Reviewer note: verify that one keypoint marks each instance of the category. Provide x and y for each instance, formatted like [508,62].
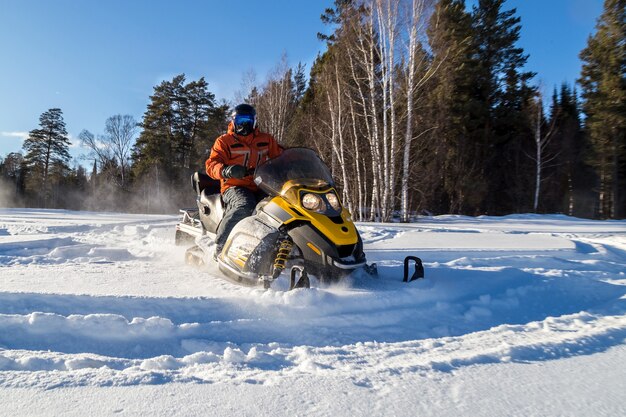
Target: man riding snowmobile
[299,226]
[233,158]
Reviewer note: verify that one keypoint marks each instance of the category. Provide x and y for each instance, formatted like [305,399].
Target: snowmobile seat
[209,200]
[201,181]
[211,208]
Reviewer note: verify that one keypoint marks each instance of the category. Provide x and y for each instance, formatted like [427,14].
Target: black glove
[234,171]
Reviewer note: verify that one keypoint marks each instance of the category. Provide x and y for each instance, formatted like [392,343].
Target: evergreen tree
[177,117]
[179,127]
[460,184]
[74,188]
[45,148]
[12,170]
[502,90]
[603,83]
[60,186]
[299,83]
[478,109]
[569,179]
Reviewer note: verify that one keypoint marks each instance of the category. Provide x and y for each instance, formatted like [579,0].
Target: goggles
[242,119]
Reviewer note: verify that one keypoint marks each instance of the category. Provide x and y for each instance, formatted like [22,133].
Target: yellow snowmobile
[301,225]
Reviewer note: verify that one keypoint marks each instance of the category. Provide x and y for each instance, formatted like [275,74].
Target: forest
[420,107]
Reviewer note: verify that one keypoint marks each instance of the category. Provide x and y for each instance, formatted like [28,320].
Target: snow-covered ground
[518,315]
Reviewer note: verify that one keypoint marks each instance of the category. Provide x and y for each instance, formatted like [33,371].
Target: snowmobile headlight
[334,201]
[313,202]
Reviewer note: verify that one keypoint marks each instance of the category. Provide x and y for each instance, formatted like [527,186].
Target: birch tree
[416,59]
[542,138]
[276,100]
[112,149]
[120,134]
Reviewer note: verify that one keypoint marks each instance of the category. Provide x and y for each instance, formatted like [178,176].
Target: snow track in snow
[105,299]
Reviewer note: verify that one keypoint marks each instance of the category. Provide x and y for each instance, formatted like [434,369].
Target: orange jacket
[249,151]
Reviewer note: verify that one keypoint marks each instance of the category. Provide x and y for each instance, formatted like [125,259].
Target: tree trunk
[377,172]
[384,69]
[615,177]
[570,192]
[537,158]
[370,132]
[408,137]
[601,194]
[358,213]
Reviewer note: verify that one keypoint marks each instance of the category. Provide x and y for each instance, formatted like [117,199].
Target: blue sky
[96,58]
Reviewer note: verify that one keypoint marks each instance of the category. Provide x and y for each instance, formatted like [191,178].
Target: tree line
[418,106]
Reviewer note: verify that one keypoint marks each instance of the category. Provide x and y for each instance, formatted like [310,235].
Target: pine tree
[177,117]
[603,83]
[46,147]
[60,185]
[299,82]
[502,90]
[74,186]
[569,179]
[179,127]
[12,170]
[453,106]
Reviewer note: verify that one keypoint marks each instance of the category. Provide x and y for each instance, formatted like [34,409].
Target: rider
[232,161]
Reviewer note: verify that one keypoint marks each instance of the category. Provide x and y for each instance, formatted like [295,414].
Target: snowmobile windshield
[295,167]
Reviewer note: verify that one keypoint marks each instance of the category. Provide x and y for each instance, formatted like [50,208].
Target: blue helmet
[244,119]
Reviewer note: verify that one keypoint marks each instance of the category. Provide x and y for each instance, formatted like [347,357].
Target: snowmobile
[301,225]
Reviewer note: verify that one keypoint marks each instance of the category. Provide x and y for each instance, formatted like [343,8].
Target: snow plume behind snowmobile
[301,226]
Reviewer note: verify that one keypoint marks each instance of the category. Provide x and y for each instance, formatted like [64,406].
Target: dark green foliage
[299,82]
[603,89]
[502,90]
[12,176]
[333,16]
[569,179]
[177,116]
[477,102]
[179,127]
[454,111]
[74,186]
[47,155]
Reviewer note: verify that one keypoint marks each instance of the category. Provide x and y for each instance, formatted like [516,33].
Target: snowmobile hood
[338,229]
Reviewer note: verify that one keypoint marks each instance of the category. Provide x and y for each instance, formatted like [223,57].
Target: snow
[518,315]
